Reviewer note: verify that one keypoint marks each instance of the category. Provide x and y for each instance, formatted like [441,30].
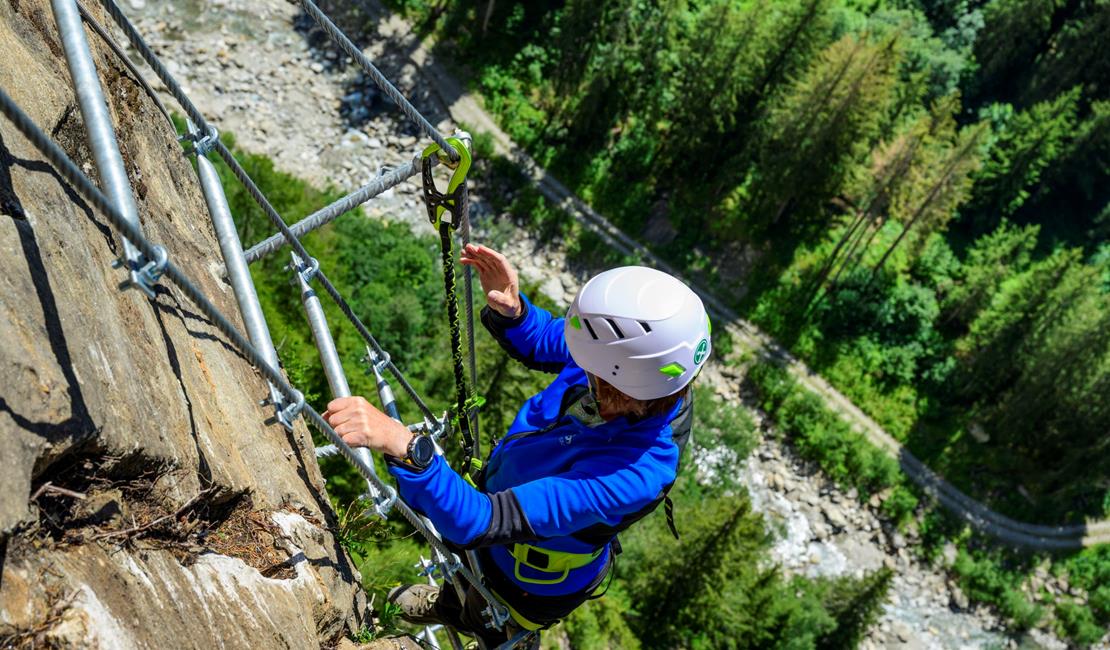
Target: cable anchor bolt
[437,429]
[497,614]
[306,271]
[145,273]
[207,143]
[450,566]
[290,412]
[382,504]
[378,361]
[202,144]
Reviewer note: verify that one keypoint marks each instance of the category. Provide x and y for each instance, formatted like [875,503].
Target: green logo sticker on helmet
[575,323]
[701,351]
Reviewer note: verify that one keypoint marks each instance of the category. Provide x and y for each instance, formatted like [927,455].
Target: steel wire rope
[69,171]
[329,213]
[376,75]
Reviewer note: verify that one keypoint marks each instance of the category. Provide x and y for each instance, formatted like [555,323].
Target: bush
[984,579]
[824,437]
[900,505]
[1078,623]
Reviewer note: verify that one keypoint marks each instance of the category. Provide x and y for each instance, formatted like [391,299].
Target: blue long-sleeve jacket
[552,481]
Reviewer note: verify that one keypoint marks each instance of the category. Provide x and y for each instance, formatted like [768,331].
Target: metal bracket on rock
[146,273]
[286,415]
[383,504]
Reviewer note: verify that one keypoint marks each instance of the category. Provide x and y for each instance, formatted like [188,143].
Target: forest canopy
[913,195]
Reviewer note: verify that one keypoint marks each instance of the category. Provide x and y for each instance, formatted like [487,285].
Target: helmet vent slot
[647,328]
[589,328]
[616,328]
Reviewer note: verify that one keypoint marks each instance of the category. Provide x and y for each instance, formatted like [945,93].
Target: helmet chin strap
[594,389]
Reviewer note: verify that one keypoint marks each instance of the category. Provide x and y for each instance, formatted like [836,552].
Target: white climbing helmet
[639,329]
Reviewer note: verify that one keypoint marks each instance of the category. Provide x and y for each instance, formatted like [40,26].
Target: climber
[584,459]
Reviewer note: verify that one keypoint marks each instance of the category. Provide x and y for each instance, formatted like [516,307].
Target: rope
[68,170]
[453,202]
[370,69]
[468,301]
[462,407]
[329,213]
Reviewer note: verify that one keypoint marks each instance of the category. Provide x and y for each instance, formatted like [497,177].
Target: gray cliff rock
[144,503]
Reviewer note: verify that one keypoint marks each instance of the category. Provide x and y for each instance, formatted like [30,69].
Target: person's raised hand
[362,425]
[498,277]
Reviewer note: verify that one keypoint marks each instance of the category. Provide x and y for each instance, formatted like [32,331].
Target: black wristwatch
[421,452]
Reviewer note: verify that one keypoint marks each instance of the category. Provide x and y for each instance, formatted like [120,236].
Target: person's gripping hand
[498,277]
[362,425]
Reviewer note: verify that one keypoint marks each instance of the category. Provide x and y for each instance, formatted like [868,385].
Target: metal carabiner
[453,199]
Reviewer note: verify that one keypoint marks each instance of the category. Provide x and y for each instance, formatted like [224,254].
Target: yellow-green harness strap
[548,561]
[527,623]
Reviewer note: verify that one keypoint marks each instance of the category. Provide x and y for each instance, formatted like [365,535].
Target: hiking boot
[417,603]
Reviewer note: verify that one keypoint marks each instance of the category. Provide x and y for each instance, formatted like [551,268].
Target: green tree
[1038,364]
[880,191]
[1073,197]
[944,183]
[855,606]
[817,132]
[711,591]
[1015,35]
[1022,149]
[990,261]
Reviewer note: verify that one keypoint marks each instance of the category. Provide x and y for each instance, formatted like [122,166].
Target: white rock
[949,554]
[902,631]
[835,516]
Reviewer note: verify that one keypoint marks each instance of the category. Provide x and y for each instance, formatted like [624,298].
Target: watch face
[423,451]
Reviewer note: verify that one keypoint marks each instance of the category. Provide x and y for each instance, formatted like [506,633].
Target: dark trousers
[468,617]
[543,610]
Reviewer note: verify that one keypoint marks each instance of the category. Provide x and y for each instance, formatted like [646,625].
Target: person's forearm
[460,512]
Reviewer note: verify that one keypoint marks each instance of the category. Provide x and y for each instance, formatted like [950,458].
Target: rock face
[144,503]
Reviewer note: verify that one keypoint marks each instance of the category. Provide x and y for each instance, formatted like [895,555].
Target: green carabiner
[440,202]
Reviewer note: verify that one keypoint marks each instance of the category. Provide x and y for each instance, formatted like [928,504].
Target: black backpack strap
[668,508]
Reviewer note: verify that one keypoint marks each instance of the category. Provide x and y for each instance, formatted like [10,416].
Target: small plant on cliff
[358,533]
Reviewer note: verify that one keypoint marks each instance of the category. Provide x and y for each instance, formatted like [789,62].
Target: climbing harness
[446,211]
[557,563]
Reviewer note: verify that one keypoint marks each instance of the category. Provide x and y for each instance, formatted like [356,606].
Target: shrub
[900,505]
[1078,623]
[824,437]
